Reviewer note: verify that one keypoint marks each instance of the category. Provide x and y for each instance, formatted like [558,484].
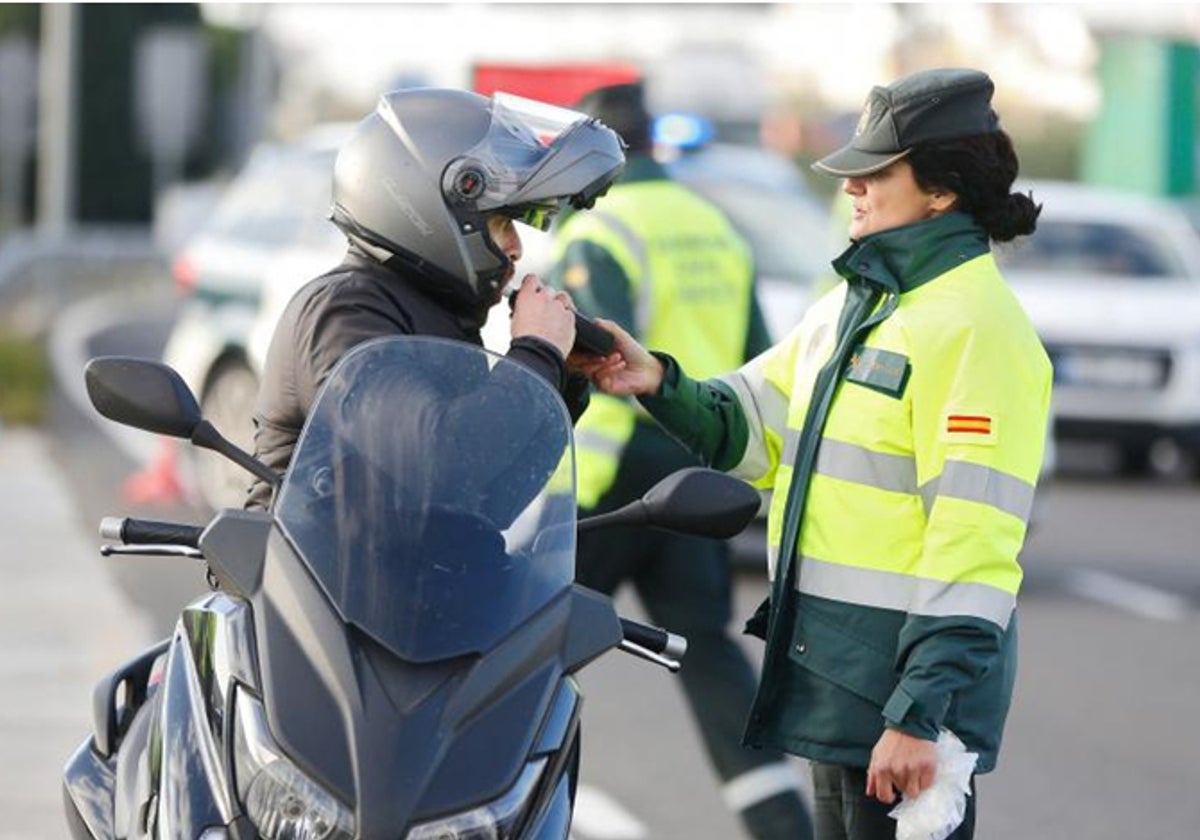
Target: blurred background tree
[114,177]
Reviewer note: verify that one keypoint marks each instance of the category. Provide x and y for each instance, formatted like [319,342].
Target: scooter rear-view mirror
[696,500]
[151,396]
[143,394]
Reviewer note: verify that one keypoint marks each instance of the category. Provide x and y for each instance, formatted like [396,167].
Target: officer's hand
[545,313]
[900,762]
[628,370]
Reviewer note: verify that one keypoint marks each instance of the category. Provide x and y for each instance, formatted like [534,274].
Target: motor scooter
[386,654]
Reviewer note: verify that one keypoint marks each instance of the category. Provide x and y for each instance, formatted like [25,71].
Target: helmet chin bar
[464,181]
[486,261]
[474,296]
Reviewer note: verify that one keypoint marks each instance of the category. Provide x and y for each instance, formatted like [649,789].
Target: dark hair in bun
[980,170]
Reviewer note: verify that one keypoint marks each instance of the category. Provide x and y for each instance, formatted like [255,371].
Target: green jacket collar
[905,257]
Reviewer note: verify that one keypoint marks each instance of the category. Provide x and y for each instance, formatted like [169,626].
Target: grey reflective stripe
[760,784]
[928,493]
[848,462]
[645,293]
[985,485]
[772,561]
[764,407]
[905,593]
[791,442]
[772,405]
[599,443]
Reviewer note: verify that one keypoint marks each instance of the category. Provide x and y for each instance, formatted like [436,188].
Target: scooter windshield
[432,495]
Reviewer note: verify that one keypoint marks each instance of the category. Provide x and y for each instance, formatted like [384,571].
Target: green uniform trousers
[843,811]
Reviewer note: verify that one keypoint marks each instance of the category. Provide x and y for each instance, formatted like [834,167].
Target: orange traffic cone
[158,482]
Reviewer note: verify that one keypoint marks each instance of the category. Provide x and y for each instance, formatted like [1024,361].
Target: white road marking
[600,817]
[1128,595]
[760,784]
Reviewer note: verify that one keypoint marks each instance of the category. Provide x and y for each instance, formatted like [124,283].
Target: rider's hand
[541,311]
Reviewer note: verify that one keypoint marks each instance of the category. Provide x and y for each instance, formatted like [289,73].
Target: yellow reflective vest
[691,279]
[900,429]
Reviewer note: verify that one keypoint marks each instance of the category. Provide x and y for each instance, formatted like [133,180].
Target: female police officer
[900,426]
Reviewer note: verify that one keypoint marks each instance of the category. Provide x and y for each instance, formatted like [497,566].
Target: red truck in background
[556,84]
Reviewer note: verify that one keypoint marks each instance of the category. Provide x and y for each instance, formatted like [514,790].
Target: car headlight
[279,799]
[497,820]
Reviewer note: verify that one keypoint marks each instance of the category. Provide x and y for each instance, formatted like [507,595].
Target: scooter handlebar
[654,639]
[149,532]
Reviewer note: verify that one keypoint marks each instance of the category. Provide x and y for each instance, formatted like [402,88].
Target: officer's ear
[941,201]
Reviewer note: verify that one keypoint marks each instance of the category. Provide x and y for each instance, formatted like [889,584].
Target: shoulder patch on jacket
[969,427]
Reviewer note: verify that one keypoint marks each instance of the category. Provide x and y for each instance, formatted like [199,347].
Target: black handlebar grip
[653,639]
[149,532]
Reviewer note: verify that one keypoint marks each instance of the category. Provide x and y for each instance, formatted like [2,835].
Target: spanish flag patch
[969,428]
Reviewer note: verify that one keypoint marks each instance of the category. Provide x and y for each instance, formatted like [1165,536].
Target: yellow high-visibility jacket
[900,428]
[666,263]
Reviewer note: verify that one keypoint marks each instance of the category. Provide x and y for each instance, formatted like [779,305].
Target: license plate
[1110,370]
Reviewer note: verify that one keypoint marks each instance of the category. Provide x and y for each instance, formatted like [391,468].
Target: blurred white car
[1111,281]
[268,230]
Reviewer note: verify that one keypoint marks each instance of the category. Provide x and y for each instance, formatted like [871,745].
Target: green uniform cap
[930,105]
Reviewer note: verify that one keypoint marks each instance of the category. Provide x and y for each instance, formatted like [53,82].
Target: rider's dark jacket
[356,301]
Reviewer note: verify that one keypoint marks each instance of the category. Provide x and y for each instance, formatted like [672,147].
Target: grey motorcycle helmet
[418,178]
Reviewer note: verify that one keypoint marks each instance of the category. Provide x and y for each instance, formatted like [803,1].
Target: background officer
[667,265]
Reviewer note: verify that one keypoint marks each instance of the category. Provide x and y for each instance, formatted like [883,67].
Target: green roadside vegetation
[24,379]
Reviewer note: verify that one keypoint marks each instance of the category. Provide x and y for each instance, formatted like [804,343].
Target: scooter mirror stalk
[152,396]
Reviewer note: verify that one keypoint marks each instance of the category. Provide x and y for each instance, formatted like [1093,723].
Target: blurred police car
[1111,281]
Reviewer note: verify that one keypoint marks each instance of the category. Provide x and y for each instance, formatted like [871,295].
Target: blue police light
[683,131]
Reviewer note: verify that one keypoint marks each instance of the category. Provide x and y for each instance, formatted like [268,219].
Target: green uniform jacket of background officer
[668,266]
[912,401]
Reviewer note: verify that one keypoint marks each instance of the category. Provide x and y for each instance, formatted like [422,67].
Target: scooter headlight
[281,801]
[497,820]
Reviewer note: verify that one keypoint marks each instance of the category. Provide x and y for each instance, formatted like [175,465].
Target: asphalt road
[1101,742]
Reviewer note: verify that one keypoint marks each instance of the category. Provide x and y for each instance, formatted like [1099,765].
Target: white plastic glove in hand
[941,807]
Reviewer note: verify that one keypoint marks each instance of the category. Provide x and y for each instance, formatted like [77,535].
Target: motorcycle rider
[427,190]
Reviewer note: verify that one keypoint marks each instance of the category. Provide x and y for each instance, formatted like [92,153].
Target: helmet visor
[537,216]
[522,136]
